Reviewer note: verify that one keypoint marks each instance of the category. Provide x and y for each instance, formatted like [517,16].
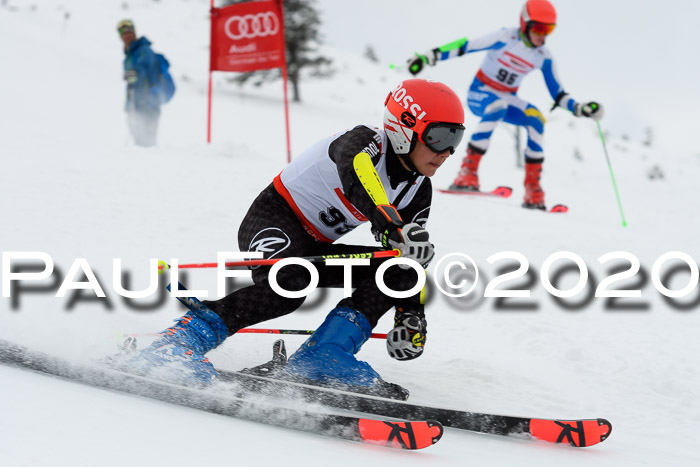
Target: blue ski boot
[328,356]
[178,355]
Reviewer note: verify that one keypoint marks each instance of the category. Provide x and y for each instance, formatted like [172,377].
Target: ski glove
[131,76]
[415,64]
[413,241]
[592,110]
[407,340]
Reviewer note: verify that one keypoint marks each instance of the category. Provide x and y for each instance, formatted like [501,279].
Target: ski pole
[296,332]
[194,304]
[312,259]
[612,175]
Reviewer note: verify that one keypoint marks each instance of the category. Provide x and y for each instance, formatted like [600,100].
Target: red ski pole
[298,332]
[313,259]
[304,332]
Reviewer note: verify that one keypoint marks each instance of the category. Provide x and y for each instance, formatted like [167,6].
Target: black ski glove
[415,64]
[407,340]
[411,239]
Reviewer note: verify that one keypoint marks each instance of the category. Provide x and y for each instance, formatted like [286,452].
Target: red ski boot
[468,179]
[534,196]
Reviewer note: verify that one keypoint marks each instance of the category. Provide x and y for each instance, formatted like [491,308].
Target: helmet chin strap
[405,157]
[398,172]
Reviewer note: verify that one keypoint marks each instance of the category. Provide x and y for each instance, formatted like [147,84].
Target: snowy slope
[73,186]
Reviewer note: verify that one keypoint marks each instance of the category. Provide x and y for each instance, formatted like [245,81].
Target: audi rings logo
[250,26]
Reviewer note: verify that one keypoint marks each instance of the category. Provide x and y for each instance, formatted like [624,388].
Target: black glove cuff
[560,96]
[386,218]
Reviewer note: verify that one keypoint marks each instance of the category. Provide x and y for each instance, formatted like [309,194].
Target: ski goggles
[542,29]
[125,26]
[440,137]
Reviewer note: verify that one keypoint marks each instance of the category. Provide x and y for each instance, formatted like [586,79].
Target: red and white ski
[502,192]
[499,192]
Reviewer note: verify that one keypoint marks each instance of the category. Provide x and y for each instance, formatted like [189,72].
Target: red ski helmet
[425,110]
[538,16]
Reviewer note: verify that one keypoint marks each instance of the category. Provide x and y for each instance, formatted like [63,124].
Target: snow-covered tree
[370,54]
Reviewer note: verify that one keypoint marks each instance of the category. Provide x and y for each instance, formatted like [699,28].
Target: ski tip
[402,435]
[604,422]
[559,208]
[502,191]
[578,433]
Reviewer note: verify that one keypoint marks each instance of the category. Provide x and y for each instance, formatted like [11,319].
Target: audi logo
[250,26]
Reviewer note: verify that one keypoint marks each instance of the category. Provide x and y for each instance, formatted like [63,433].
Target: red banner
[247,36]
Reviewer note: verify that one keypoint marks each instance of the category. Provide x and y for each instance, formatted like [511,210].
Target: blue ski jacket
[144,93]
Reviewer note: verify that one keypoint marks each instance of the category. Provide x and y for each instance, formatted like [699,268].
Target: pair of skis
[398,428]
[405,425]
[500,192]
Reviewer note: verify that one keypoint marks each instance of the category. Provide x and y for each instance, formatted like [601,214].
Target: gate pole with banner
[211,41]
[248,36]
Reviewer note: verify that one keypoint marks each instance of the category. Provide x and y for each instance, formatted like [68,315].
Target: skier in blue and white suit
[512,53]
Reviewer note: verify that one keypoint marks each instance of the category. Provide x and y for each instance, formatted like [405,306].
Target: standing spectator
[143,94]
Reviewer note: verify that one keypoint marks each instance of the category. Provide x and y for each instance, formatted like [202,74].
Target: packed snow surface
[73,185]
